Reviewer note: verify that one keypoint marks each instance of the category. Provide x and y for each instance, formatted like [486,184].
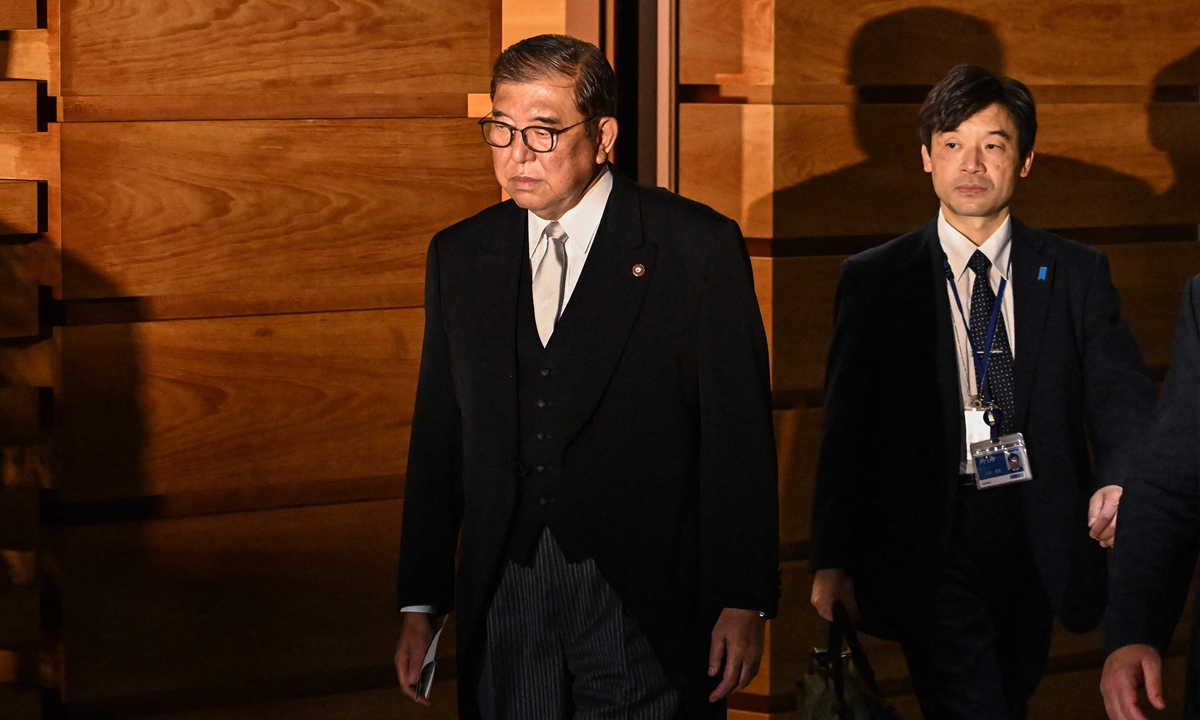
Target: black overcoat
[894,436]
[669,475]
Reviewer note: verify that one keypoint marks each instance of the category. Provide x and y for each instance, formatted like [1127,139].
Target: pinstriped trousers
[559,646]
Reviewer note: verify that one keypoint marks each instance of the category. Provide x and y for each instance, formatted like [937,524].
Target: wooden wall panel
[797,437]
[856,170]
[1150,278]
[802,320]
[865,42]
[237,405]
[526,18]
[18,106]
[163,47]
[18,207]
[18,14]
[174,208]
[200,609]
[727,42]
[727,161]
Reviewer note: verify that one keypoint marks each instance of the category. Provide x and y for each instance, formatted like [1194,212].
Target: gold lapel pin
[639,270]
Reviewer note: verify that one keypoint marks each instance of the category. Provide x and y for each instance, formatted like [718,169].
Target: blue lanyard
[981,367]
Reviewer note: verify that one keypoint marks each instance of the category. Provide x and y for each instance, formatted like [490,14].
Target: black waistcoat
[542,374]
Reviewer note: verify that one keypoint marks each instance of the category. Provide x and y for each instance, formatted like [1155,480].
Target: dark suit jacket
[1158,528]
[671,455]
[893,436]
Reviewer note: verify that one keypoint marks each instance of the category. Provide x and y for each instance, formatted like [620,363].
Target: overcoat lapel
[591,334]
[491,322]
[1032,283]
[947,361]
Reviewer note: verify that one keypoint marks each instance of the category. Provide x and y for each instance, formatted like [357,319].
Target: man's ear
[1025,166]
[926,161]
[606,138]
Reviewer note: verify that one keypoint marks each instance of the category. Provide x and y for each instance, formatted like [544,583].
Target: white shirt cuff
[418,608]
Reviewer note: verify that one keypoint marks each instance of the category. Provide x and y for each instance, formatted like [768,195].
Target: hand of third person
[737,642]
[1102,514]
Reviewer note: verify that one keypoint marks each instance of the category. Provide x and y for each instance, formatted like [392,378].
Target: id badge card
[1000,462]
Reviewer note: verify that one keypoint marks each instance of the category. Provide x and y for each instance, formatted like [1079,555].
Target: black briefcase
[841,685]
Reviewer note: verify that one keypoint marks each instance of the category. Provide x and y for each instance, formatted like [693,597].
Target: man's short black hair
[968,89]
[544,56]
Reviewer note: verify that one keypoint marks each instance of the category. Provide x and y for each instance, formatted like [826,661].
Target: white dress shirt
[580,223]
[959,249]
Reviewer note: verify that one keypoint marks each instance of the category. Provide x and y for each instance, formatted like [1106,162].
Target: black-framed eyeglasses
[537,138]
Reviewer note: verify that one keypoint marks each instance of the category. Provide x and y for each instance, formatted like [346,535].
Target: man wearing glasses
[592,430]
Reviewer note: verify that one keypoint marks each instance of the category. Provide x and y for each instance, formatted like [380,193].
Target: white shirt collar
[580,222]
[959,248]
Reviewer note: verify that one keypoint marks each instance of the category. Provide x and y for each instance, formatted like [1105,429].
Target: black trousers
[981,649]
[559,646]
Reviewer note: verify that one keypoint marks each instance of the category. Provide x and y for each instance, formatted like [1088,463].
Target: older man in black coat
[594,414]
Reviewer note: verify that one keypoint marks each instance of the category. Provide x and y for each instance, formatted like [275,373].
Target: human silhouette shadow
[893,61]
[1174,130]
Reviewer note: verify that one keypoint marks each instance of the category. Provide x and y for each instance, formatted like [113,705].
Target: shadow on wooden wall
[887,193]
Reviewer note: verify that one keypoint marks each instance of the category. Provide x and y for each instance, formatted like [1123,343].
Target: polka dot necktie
[1000,366]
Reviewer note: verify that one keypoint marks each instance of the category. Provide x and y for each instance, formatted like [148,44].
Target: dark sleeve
[849,384]
[1158,526]
[432,507]
[739,494]
[1118,392]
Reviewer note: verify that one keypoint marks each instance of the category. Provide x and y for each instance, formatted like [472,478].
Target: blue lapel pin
[1042,273]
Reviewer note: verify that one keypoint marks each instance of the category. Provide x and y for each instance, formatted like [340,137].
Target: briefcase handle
[842,630]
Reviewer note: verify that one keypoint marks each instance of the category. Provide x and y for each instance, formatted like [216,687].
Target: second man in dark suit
[972,332]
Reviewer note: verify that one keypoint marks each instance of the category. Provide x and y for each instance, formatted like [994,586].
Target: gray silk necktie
[549,264]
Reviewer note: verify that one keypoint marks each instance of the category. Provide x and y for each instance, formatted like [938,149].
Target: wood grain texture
[526,18]
[31,56]
[228,405]
[820,94]
[727,42]
[208,47]
[727,161]
[151,108]
[867,42]
[18,106]
[18,14]
[201,207]
[209,305]
[855,170]
[18,207]
[228,601]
